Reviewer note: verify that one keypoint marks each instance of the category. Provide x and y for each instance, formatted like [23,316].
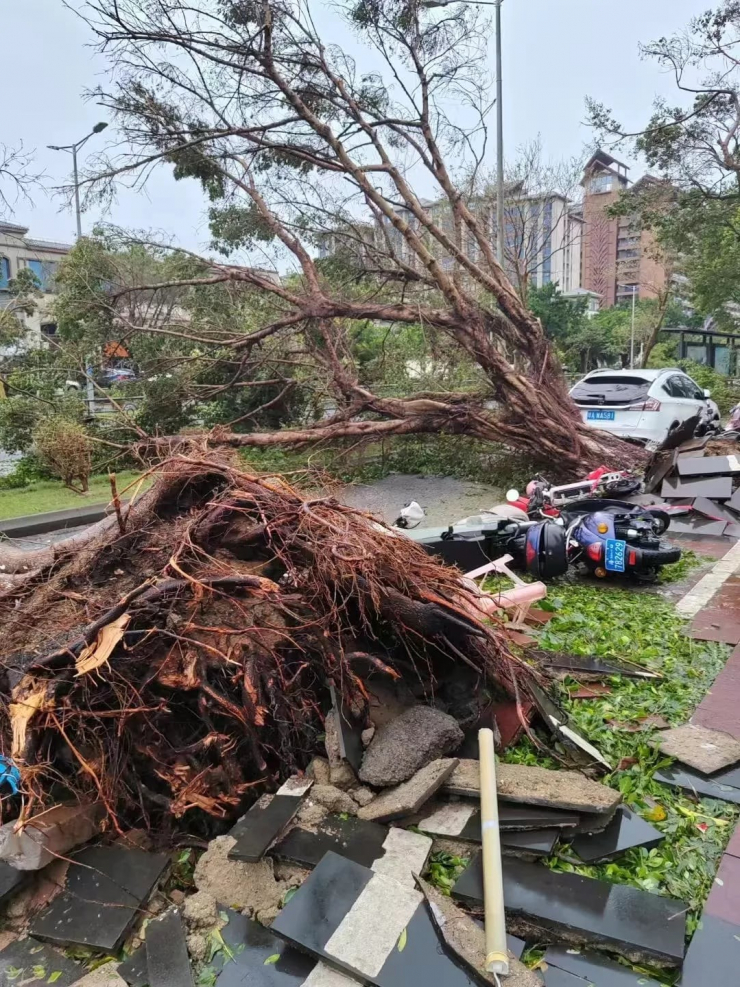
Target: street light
[499,117]
[73,149]
[634,288]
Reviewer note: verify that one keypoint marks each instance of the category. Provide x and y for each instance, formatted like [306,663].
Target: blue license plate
[615,555]
[600,416]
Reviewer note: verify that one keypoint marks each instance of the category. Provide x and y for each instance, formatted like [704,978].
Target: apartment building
[619,257]
[20,252]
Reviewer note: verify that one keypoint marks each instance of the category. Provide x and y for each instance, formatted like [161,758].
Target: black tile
[105,888]
[596,969]
[708,466]
[515,945]
[734,501]
[713,510]
[718,486]
[249,945]
[167,960]
[699,526]
[134,970]
[29,962]
[536,843]
[626,830]
[259,827]
[516,823]
[713,957]
[638,925]
[559,978]
[317,910]
[719,786]
[355,839]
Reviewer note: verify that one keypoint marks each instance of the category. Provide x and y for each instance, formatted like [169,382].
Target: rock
[334,799]
[367,735]
[200,910]
[250,888]
[411,741]
[106,975]
[536,786]
[177,897]
[705,750]
[342,776]
[408,798]
[318,769]
[198,946]
[363,796]
[50,835]
[310,815]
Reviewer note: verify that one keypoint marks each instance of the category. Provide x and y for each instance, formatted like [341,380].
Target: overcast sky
[556,52]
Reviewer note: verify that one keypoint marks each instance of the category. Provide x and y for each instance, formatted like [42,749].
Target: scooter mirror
[512,495]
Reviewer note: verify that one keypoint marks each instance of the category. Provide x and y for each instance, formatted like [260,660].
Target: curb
[40,524]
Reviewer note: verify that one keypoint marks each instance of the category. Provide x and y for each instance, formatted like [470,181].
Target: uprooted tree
[301,150]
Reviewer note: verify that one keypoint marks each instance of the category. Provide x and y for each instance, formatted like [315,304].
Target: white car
[643,405]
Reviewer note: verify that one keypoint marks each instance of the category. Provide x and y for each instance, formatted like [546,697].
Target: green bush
[65,449]
[27,471]
[723,393]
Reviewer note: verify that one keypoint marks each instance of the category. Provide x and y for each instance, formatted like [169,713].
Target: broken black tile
[106,887]
[587,663]
[10,880]
[713,510]
[559,978]
[641,926]
[724,785]
[248,946]
[262,825]
[626,830]
[535,843]
[708,466]
[355,839]
[593,968]
[734,501]
[713,957]
[134,970]
[30,962]
[719,487]
[368,926]
[699,526]
[461,820]
[167,960]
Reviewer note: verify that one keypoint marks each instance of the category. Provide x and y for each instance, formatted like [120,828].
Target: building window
[44,271]
[601,183]
[627,253]
[48,328]
[4,272]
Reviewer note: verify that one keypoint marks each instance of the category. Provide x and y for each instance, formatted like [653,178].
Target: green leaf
[289,894]
[271,959]
[402,941]
[39,972]
[53,977]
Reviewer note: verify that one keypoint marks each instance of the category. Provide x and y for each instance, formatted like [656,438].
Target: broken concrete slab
[591,968]
[462,820]
[167,960]
[536,786]
[642,927]
[718,487]
[30,962]
[106,975]
[106,888]
[397,852]
[708,466]
[626,830]
[707,751]
[252,887]
[265,821]
[466,940]
[334,799]
[693,782]
[407,744]
[368,926]
[49,835]
[408,797]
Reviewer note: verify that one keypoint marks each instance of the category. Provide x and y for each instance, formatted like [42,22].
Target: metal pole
[77,191]
[500,143]
[632,333]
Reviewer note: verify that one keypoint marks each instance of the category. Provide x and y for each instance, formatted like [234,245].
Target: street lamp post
[635,289]
[73,149]
[500,208]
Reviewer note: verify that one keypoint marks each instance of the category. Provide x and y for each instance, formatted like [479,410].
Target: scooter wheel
[663,519]
[665,555]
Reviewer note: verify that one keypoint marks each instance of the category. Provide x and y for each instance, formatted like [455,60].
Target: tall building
[20,252]
[619,257]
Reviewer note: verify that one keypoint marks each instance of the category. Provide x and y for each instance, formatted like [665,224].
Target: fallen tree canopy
[175,668]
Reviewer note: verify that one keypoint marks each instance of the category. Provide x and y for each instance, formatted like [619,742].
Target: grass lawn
[51,495]
[612,622]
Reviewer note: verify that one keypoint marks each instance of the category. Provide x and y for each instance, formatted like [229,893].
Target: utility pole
[73,149]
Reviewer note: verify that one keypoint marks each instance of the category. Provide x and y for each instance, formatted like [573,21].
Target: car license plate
[615,555]
[600,416]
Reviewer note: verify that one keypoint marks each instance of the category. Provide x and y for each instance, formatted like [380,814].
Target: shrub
[65,449]
[725,395]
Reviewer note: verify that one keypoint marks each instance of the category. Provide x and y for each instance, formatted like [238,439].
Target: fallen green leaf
[402,941]
[272,959]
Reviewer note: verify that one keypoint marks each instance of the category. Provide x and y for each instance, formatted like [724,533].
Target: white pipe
[497,957]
